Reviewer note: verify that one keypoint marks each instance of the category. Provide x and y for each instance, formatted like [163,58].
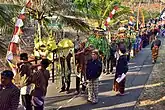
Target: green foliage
[48,42]
[3,47]
[96,8]
[99,9]
[149,14]
[7,13]
[45,45]
[100,43]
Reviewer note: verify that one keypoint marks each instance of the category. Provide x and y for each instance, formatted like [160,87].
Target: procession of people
[91,60]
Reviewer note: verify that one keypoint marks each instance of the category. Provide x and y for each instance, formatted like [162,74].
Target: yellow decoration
[124,22]
[65,43]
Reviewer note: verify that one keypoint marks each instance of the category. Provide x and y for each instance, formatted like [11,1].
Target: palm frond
[75,23]
[7,13]
[3,47]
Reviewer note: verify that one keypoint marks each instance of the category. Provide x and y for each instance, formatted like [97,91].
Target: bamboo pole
[53,67]
[138,16]
[160,6]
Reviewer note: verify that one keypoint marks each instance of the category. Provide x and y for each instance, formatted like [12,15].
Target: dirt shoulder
[153,96]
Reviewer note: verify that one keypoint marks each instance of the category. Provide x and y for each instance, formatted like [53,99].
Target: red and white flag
[110,16]
[28,3]
[13,47]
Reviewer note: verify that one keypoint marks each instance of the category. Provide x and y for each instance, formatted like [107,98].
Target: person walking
[25,71]
[121,69]
[80,75]
[9,93]
[66,76]
[155,49]
[40,79]
[93,71]
[112,59]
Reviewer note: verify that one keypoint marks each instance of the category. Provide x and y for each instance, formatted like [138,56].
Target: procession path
[139,71]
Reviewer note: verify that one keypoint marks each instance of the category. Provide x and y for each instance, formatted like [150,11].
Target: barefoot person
[93,71]
[155,49]
[122,67]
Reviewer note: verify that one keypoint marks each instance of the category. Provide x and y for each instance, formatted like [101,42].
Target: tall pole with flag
[13,48]
[111,14]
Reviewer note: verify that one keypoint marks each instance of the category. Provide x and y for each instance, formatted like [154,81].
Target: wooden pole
[53,67]
[138,16]
[160,6]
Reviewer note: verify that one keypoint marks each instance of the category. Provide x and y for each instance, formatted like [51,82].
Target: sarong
[119,86]
[155,52]
[93,86]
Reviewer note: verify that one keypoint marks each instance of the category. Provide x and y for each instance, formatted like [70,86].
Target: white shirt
[26,89]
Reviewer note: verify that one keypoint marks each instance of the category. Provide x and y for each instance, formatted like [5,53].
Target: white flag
[19,23]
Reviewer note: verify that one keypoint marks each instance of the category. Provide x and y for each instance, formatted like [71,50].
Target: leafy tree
[100,9]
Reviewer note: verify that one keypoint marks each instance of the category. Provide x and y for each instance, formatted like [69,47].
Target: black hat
[8,74]
[23,56]
[45,62]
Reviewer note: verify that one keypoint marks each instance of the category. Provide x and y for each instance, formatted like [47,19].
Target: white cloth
[117,55]
[26,89]
[76,44]
[36,101]
[119,79]
[15,39]
[19,23]
[21,107]
[9,55]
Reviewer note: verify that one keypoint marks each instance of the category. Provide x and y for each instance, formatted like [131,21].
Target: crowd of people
[32,88]
[90,62]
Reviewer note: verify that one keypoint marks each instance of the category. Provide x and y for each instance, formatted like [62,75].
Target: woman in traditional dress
[122,67]
[155,49]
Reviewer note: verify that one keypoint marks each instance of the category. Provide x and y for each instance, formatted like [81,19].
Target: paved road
[139,70]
